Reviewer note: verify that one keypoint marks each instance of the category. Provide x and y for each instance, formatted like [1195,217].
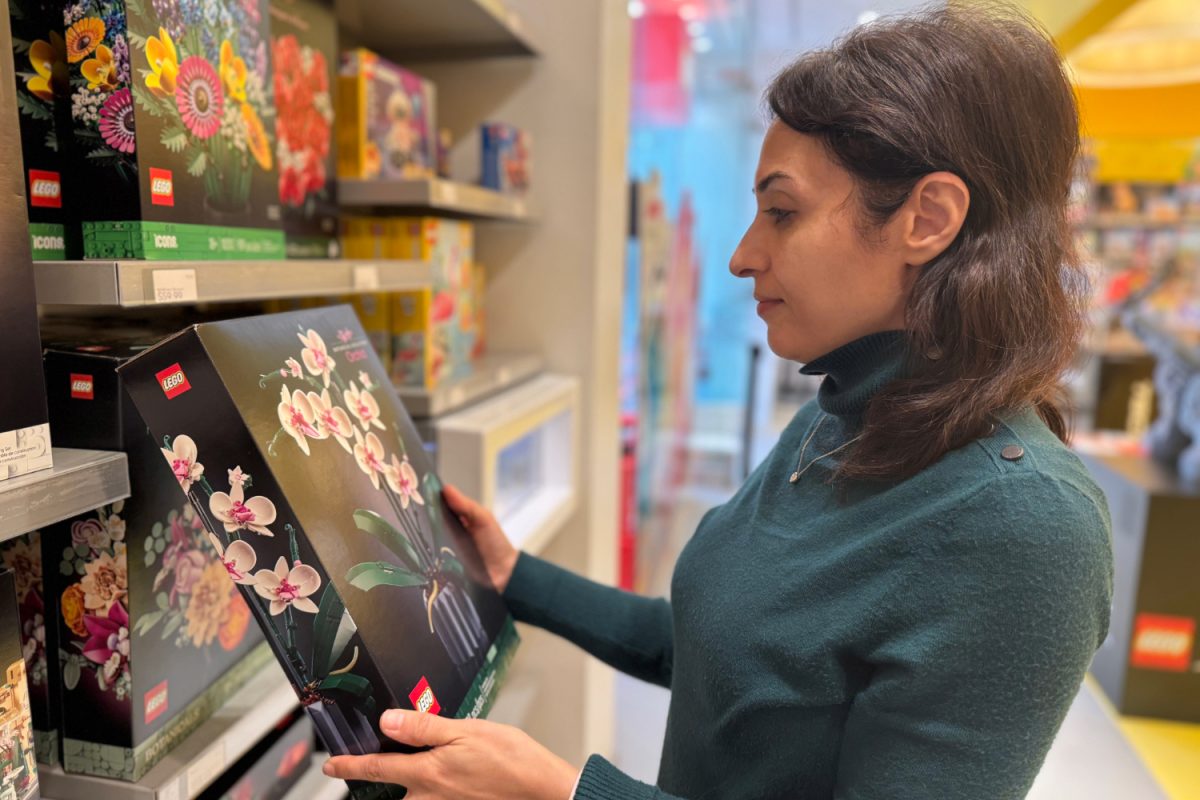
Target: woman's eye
[778,214]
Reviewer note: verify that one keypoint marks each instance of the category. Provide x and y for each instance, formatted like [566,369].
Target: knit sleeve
[987,647]
[626,631]
[600,780]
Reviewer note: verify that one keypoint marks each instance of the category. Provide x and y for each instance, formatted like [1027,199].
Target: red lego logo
[173,381]
[156,702]
[1161,642]
[162,187]
[423,700]
[45,189]
[83,387]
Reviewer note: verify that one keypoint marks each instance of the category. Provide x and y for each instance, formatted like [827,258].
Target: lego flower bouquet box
[18,769]
[152,637]
[304,57]
[39,640]
[273,766]
[39,54]
[387,127]
[172,122]
[369,591]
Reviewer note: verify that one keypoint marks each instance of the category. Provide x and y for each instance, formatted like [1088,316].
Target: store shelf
[493,374]
[539,519]
[142,283]
[201,758]
[314,785]
[1108,220]
[418,30]
[79,481]
[448,198]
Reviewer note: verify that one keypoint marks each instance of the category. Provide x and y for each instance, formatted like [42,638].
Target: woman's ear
[934,214]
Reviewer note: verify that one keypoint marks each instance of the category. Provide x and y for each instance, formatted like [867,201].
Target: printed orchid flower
[331,420]
[368,453]
[364,407]
[292,368]
[402,478]
[296,414]
[239,558]
[238,513]
[365,380]
[315,355]
[182,458]
[237,477]
[288,587]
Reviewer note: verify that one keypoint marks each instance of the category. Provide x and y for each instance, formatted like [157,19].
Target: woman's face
[818,283]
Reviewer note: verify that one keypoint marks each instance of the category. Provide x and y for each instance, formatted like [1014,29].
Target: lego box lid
[294,448]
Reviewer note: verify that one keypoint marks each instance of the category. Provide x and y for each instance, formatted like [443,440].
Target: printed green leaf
[329,617]
[51,141]
[33,108]
[160,545]
[80,569]
[431,490]
[162,601]
[172,626]
[147,102]
[397,542]
[149,559]
[455,566]
[82,550]
[66,568]
[350,683]
[136,39]
[175,139]
[368,575]
[146,622]
[69,554]
[71,672]
[197,163]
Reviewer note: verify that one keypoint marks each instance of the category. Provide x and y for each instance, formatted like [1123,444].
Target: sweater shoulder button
[1013,452]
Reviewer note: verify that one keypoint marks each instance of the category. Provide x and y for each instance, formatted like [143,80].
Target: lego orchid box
[18,769]
[296,452]
[304,58]
[171,129]
[23,556]
[152,638]
[387,127]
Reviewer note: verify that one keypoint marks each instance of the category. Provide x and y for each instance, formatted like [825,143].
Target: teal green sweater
[921,639]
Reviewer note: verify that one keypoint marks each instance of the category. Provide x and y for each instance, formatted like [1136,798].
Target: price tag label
[366,278]
[206,769]
[174,285]
[450,194]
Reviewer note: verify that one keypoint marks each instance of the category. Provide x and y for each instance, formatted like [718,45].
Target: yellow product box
[375,313]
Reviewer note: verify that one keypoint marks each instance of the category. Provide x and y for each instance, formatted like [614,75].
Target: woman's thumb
[460,504]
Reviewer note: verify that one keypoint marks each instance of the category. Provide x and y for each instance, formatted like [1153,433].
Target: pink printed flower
[331,420]
[402,478]
[365,380]
[345,335]
[116,121]
[198,97]
[292,368]
[368,453]
[182,458]
[315,355]
[238,513]
[298,418]
[237,477]
[239,558]
[83,531]
[107,636]
[288,587]
[189,567]
[364,407]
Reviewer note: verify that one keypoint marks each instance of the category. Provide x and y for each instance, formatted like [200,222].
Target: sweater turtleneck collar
[857,371]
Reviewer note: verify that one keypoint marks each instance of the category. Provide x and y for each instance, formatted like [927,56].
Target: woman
[902,599]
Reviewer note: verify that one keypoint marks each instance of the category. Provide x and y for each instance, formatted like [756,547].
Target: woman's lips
[766,305]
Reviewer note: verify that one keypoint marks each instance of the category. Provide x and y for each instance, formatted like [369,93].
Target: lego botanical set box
[18,768]
[172,129]
[152,637]
[291,444]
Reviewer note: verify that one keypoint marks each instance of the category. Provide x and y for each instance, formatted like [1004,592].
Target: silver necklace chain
[795,476]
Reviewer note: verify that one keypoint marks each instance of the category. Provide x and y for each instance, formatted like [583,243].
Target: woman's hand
[470,759]
[499,556]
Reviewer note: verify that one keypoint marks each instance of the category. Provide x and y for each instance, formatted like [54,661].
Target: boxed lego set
[507,158]
[18,769]
[39,55]
[301,460]
[272,767]
[386,120]
[152,636]
[39,640]
[304,57]
[171,140]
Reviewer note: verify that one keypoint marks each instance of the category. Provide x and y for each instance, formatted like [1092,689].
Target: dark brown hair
[979,91]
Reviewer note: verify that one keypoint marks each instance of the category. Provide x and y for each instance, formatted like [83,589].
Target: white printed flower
[116,527]
[331,420]
[365,379]
[368,453]
[402,478]
[315,356]
[288,587]
[237,477]
[292,368]
[363,406]
[237,513]
[182,458]
[296,414]
[239,558]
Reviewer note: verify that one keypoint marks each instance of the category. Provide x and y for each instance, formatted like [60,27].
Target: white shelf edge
[436,194]
[130,284]
[540,519]
[495,373]
[79,481]
[315,785]
[236,727]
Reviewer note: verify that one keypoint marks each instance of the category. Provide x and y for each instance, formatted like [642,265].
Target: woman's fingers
[466,508]
[398,768]
[420,729]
